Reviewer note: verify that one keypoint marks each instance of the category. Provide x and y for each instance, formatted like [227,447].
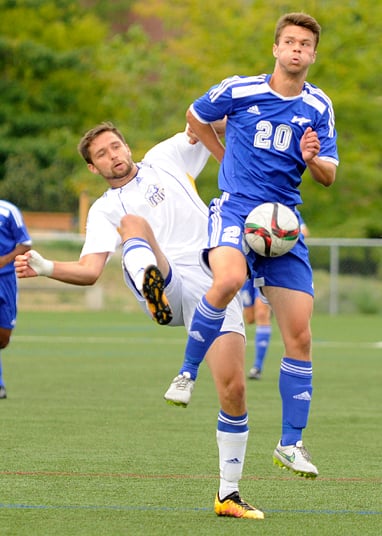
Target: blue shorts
[8,300]
[249,293]
[226,228]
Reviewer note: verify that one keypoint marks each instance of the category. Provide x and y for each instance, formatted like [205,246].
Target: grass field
[88,446]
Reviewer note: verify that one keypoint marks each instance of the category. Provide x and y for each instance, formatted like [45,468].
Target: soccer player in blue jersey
[278,125]
[14,240]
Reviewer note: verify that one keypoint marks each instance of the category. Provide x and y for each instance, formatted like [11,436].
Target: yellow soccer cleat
[153,291]
[234,506]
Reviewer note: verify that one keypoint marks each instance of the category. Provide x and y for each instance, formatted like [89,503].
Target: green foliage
[69,65]
[50,85]
[211,40]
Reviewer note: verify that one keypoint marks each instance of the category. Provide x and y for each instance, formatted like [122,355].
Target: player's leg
[262,336]
[226,362]
[293,310]
[3,392]
[247,295]
[229,271]
[146,265]
[204,324]
[8,314]
[4,340]
[228,265]
[5,335]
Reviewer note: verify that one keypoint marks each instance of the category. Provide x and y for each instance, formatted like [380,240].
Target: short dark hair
[298,19]
[92,134]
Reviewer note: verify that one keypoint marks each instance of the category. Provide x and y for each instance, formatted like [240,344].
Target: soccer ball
[271,229]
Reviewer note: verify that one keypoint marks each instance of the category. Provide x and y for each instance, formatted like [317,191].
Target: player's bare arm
[9,257]
[219,127]
[321,170]
[84,272]
[206,133]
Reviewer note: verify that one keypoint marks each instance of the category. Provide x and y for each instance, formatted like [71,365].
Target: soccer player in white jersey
[14,240]
[277,126]
[152,208]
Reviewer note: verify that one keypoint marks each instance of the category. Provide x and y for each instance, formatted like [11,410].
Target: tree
[206,41]
[70,65]
[50,88]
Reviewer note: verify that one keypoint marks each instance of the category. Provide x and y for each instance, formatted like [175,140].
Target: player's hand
[192,137]
[309,145]
[32,264]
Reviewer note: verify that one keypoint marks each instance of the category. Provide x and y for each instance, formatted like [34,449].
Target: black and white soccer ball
[271,229]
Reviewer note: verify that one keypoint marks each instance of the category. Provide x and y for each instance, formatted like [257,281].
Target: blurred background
[67,65]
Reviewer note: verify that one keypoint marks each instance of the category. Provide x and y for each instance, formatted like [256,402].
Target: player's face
[111,158]
[295,51]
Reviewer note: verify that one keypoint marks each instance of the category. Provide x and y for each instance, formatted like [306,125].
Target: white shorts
[187,285]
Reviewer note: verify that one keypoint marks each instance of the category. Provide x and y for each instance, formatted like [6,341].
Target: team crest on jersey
[301,120]
[154,195]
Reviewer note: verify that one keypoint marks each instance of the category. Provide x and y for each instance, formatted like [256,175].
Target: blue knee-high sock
[295,386]
[204,329]
[262,339]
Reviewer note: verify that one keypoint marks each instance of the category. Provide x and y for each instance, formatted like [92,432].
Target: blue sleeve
[19,231]
[327,134]
[216,102]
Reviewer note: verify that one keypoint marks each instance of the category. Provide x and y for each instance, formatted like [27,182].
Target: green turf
[88,446]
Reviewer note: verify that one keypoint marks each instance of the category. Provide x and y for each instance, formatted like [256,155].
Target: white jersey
[163,194]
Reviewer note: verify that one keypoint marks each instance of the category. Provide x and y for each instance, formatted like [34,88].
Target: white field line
[38,339]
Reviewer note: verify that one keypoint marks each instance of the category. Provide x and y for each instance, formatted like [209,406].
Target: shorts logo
[231,234]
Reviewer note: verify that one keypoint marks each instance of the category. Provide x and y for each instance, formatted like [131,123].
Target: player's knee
[228,284]
[234,391]
[130,220]
[262,318]
[304,341]
[133,226]
[4,341]
[299,339]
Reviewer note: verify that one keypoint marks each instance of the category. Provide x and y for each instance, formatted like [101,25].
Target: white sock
[137,255]
[232,449]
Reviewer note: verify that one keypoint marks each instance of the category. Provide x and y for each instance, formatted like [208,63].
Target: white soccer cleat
[295,458]
[254,374]
[180,390]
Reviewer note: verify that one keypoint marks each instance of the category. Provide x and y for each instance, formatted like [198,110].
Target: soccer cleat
[254,374]
[180,390]
[3,392]
[153,291]
[295,458]
[234,506]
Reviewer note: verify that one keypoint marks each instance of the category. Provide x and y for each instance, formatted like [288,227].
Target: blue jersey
[263,160]
[12,232]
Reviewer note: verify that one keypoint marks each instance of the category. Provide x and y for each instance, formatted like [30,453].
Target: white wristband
[40,265]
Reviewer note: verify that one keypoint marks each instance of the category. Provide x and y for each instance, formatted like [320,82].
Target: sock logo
[196,335]
[303,396]
[233,461]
